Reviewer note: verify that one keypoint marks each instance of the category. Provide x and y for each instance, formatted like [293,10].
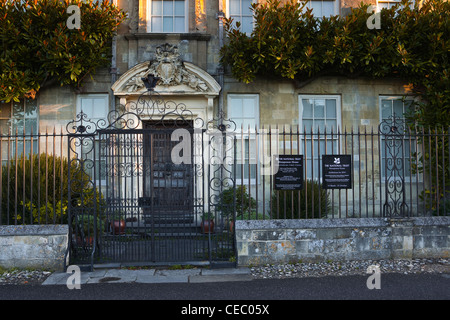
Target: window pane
[307,108]
[235,7]
[248,109]
[398,108]
[156,7]
[249,122]
[331,146]
[386,109]
[99,108]
[179,8]
[167,24]
[235,108]
[30,108]
[246,4]
[317,8]
[247,24]
[168,8]
[328,8]
[156,24]
[17,109]
[331,108]
[30,124]
[331,124]
[17,126]
[319,125]
[179,24]
[4,125]
[243,110]
[307,125]
[319,109]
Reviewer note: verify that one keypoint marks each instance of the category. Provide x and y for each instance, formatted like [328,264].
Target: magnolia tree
[407,41]
[52,41]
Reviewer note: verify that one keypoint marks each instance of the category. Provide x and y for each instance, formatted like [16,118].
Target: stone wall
[33,246]
[286,241]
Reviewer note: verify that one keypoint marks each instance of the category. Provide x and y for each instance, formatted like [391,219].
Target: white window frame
[149,18]
[408,175]
[389,3]
[243,135]
[335,7]
[337,146]
[228,15]
[23,135]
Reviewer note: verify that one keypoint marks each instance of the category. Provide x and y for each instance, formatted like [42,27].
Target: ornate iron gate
[393,131]
[150,175]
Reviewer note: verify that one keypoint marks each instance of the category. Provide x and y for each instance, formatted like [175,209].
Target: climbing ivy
[289,42]
[38,47]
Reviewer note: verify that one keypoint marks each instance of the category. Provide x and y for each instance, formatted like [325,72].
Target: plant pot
[207,226]
[88,241]
[118,227]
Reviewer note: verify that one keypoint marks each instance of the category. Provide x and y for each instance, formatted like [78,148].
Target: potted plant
[86,229]
[207,225]
[234,203]
[117,224]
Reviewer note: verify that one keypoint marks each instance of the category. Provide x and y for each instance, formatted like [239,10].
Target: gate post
[82,192]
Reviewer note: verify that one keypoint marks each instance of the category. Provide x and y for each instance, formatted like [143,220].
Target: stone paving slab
[196,275]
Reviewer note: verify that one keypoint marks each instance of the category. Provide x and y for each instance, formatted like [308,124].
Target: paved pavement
[103,275]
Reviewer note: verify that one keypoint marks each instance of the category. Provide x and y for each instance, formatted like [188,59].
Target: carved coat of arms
[169,68]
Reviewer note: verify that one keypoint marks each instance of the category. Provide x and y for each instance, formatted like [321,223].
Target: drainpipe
[113,73]
[220,15]
[113,69]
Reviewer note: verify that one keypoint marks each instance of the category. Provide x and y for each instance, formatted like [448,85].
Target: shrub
[244,203]
[36,188]
[311,202]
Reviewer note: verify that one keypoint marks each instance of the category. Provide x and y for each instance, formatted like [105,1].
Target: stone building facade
[192,73]
[179,41]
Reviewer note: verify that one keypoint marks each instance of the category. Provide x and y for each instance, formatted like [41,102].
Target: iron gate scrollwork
[393,131]
[131,201]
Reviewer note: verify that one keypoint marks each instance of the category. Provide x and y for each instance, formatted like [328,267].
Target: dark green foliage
[432,160]
[244,203]
[39,49]
[311,202]
[289,42]
[36,189]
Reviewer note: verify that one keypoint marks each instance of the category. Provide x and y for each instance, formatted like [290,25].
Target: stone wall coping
[337,223]
[29,230]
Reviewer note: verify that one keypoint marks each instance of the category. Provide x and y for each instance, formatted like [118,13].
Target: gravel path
[35,277]
[25,277]
[350,268]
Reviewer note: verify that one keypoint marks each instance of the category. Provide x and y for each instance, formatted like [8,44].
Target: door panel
[168,187]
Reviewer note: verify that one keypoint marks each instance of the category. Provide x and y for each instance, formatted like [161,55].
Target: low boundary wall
[33,246]
[261,242]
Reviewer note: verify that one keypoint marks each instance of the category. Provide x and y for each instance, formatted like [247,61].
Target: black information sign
[290,172]
[337,171]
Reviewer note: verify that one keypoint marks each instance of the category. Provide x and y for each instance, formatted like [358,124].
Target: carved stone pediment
[176,76]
